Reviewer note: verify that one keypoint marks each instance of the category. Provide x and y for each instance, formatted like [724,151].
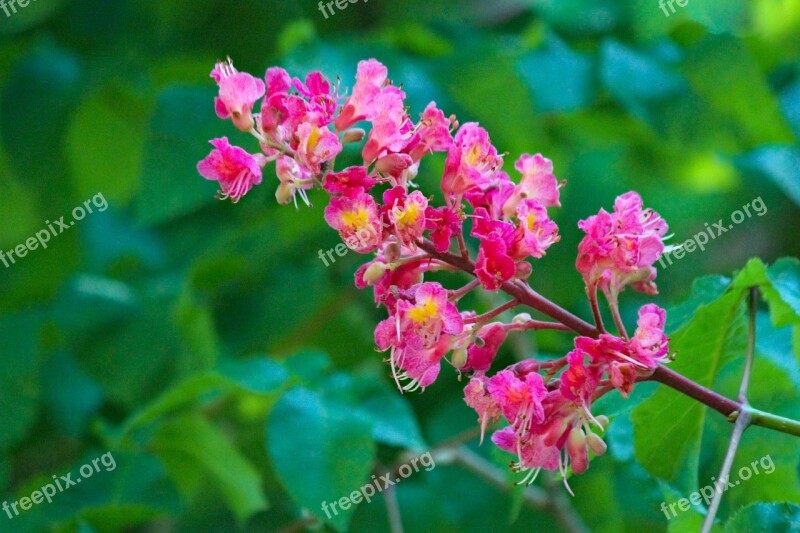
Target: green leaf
[633,78]
[669,426]
[69,394]
[561,80]
[87,301]
[144,350]
[47,81]
[254,376]
[113,122]
[488,72]
[308,365]
[783,517]
[765,473]
[321,450]
[784,275]
[393,419]
[19,19]
[704,291]
[738,89]
[781,164]
[183,123]
[195,323]
[19,377]
[198,455]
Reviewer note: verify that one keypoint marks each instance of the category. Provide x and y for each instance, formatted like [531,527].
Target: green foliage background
[233,376]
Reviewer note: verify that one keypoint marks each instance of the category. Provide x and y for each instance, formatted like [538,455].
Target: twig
[485,317]
[393,510]
[298,525]
[562,508]
[533,496]
[591,292]
[527,296]
[742,421]
[456,294]
[462,246]
[614,306]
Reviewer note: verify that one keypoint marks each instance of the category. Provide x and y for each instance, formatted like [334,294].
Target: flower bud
[393,163]
[521,318]
[375,272]
[524,270]
[603,419]
[393,252]
[596,444]
[459,357]
[353,135]
[576,448]
[283,194]
[243,121]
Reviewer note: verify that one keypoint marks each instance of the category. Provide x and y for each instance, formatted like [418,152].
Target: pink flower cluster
[303,126]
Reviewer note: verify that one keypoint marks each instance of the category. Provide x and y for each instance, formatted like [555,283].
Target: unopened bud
[596,444]
[353,135]
[524,270]
[521,318]
[283,194]
[243,121]
[393,163]
[604,421]
[459,358]
[375,272]
[393,252]
[479,342]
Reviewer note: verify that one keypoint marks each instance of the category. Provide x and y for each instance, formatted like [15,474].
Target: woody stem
[525,295]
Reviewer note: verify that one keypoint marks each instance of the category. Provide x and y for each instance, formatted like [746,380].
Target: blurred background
[230,372]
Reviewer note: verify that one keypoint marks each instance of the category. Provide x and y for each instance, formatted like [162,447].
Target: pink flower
[494,265]
[394,281]
[491,194]
[492,336]
[579,382]
[321,103]
[471,161]
[349,181]
[520,399]
[444,223]
[316,146]
[433,133]
[477,396]
[234,169]
[406,214]
[624,361]
[649,345]
[419,334]
[274,119]
[535,232]
[620,248]
[430,315]
[537,183]
[357,220]
[391,128]
[238,93]
[370,79]
[533,454]
[294,179]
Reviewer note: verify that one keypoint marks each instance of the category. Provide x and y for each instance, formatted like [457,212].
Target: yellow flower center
[313,138]
[425,312]
[408,216]
[356,219]
[474,155]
